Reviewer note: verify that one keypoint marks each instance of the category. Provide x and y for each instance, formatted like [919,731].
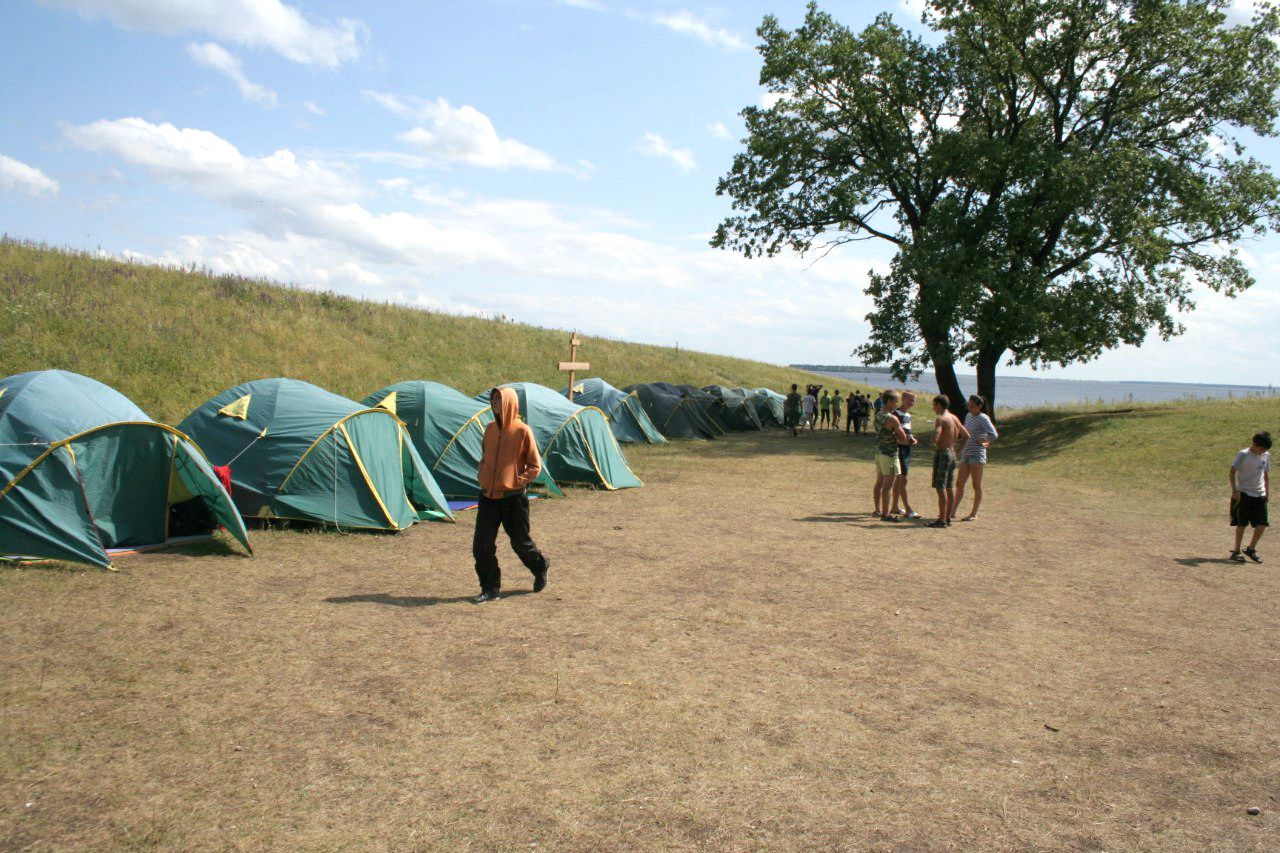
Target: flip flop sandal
[1252,555]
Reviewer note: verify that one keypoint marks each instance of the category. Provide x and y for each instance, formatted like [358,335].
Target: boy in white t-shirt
[810,404]
[1250,478]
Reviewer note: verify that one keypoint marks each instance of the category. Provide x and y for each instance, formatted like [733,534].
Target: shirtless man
[947,432]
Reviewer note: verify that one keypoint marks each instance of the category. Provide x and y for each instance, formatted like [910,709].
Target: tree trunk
[944,373]
[988,361]
[938,345]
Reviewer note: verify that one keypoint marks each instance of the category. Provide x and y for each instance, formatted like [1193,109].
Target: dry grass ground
[733,657]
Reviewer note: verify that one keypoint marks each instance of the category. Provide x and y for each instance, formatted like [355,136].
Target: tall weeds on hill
[171,338]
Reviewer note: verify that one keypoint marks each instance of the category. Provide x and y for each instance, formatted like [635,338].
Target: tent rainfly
[576,443]
[447,429]
[674,415]
[84,471]
[769,406]
[626,416]
[300,452]
[739,409]
[706,403]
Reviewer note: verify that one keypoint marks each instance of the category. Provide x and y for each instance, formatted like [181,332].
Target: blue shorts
[904,458]
[973,456]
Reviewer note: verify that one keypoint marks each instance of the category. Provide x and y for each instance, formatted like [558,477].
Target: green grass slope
[1155,451]
[170,339]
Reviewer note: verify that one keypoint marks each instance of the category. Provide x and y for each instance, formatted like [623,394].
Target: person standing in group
[947,433]
[791,410]
[889,434]
[508,464]
[1250,478]
[824,409]
[974,456]
[851,411]
[903,414]
[865,420]
[837,403]
[810,404]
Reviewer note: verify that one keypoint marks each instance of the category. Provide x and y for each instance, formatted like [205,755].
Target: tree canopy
[1055,175]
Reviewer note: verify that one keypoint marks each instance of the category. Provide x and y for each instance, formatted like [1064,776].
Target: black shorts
[1249,511]
[904,458]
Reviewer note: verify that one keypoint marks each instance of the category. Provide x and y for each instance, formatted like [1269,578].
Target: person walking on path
[791,410]
[824,408]
[889,434]
[810,404]
[1250,478]
[947,433]
[837,403]
[974,456]
[903,414]
[508,464]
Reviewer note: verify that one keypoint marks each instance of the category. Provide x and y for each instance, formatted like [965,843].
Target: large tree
[1055,175]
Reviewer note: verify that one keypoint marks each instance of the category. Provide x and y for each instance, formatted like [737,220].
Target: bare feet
[970,518]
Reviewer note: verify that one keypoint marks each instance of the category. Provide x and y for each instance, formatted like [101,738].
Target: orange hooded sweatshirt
[510,461]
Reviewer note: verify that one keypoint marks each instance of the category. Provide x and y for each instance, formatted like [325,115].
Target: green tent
[576,443]
[447,428]
[626,416]
[83,472]
[299,452]
[707,405]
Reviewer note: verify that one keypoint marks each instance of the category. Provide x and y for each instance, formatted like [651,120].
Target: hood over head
[508,406]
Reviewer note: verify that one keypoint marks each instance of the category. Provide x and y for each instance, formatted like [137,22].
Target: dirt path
[734,657]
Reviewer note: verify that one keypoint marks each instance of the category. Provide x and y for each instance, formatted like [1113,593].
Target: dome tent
[447,429]
[739,409]
[84,471]
[769,406]
[299,452]
[674,415]
[706,404]
[626,416]
[576,443]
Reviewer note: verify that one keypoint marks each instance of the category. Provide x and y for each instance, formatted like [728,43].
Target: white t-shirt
[808,403]
[1250,468]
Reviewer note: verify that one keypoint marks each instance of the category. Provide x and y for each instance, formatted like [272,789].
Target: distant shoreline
[885,371]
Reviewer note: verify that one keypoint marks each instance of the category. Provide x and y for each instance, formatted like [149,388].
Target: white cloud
[214,56]
[212,166]
[448,134]
[268,24]
[914,9]
[719,130]
[686,23]
[16,176]
[590,5]
[313,108]
[768,100]
[655,146]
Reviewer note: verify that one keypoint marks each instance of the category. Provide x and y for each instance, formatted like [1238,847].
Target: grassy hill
[170,339]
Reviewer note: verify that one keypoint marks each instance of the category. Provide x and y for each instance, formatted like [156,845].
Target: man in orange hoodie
[510,462]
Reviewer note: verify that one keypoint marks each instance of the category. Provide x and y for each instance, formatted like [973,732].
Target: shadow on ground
[411,600]
[1024,438]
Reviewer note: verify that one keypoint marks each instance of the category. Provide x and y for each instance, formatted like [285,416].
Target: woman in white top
[974,455]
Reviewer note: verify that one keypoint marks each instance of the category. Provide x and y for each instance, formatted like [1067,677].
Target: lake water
[1025,392]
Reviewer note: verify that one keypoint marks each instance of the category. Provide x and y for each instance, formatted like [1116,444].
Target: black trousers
[512,513]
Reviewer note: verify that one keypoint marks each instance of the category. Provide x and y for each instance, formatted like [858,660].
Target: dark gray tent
[675,415]
[740,409]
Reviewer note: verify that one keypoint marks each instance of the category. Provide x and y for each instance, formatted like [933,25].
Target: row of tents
[85,473]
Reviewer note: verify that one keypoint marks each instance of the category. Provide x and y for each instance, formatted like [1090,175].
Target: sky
[548,161]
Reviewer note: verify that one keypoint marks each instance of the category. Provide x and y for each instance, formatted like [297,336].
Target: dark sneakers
[487,595]
[540,578]
[1252,555]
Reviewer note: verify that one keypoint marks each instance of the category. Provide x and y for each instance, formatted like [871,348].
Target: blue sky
[554,162]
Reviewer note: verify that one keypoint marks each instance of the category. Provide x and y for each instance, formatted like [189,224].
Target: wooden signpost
[573,365]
